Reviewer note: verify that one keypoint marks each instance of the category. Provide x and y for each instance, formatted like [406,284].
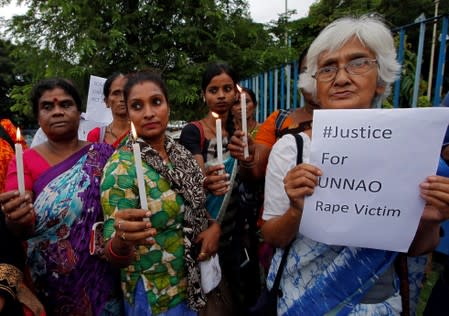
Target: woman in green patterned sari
[159,248]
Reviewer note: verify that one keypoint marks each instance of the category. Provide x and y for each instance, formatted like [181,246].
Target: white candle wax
[218,135]
[19,164]
[244,125]
[140,180]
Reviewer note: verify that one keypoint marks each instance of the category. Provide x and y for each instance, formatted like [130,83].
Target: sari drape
[335,284]
[68,279]
[216,205]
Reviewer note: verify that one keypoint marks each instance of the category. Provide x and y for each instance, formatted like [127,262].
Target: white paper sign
[373,161]
[96,109]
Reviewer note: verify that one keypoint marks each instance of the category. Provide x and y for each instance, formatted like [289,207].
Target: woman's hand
[299,182]
[19,212]
[133,228]
[208,240]
[237,145]
[435,191]
[217,181]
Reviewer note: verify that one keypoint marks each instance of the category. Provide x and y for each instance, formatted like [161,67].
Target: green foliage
[408,79]
[75,39]
[21,95]
[408,76]
[7,79]
[10,77]
[423,102]
[387,104]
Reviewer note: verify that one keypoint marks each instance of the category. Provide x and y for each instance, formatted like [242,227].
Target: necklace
[253,125]
[109,130]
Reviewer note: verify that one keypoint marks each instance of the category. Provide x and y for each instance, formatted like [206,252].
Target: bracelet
[116,256]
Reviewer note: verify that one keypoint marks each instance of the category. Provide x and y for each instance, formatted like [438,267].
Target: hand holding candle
[219,137]
[139,170]
[244,121]
[19,163]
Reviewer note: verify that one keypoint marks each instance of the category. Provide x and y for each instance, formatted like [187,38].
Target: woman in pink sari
[61,203]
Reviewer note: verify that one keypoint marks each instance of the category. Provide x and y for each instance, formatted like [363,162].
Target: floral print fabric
[160,266]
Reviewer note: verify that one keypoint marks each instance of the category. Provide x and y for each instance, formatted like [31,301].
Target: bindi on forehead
[46,101]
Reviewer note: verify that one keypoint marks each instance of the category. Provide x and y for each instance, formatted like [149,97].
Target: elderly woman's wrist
[295,208]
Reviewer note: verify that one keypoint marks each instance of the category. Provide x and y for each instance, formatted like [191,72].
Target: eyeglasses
[357,66]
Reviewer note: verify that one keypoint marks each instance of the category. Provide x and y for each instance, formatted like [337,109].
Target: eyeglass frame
[337,69]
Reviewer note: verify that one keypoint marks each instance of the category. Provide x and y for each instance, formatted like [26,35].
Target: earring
[204,99]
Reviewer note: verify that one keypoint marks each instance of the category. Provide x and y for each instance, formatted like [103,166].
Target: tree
[395,13]
[10,77]
[75,39]
[7,79]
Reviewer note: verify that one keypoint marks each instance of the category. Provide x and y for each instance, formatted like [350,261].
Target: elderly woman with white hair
[351,65]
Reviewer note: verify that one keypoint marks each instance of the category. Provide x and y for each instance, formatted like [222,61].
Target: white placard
[373,161]
[96,109]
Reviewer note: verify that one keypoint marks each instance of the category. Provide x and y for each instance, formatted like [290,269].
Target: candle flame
[239,88]
[18,135]
[133,131]
[215,115]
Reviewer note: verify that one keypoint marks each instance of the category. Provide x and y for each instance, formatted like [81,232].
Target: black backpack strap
[280,119]
[299,145]
[5,136]
[277,280]
[300,128]
[200,128]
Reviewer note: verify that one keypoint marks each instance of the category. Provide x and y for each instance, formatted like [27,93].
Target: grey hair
[372,33]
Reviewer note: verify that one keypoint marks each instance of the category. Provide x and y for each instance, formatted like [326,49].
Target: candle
[218,136]
[19,163]
[244,121]
[139,170]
